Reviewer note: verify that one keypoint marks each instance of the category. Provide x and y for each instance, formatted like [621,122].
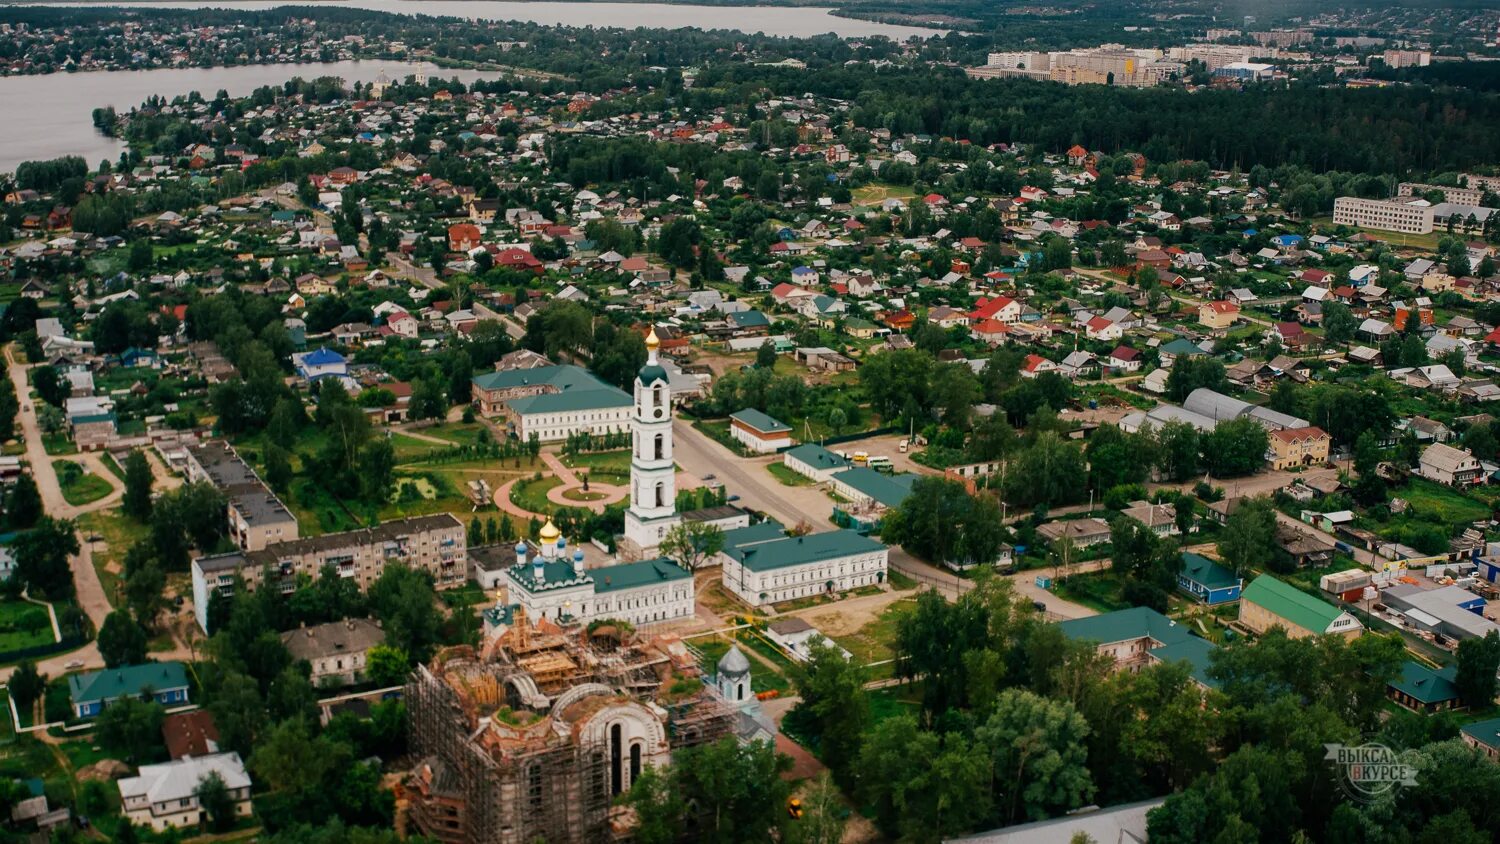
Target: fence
[67,643]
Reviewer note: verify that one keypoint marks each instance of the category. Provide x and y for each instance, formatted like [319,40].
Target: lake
[53,114]
[790,21]
[55,109]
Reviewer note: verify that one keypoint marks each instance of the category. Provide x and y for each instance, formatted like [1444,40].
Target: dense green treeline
[1362,130]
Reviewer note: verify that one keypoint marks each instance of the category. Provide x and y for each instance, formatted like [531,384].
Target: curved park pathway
[611,493]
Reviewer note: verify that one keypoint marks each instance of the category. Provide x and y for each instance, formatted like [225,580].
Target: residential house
[1423,689]
[163,682]
[1035,365]
[165,796]
[336,651]
[1208,581]
[1125,359]
[1139,637]
[1293,447]
[1218,315]
[1448,465]
[1081,532]
[1483,736]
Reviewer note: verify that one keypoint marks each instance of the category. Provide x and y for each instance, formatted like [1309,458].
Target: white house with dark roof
[165,796]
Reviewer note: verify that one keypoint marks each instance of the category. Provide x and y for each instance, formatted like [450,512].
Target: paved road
[403,268]
[700,455]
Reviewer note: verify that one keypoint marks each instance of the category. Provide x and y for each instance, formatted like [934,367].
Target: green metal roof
[556,574]
[1206,572]
[651,374]
[1182,347]
[1426,685]
[1486,733]
[760,421]
[1290,603]
[130,680]
[749,319]
[817,456]
[575,388]
[1125,625]
[1194,651]
[889,490]
[766,531]
[800,550]
[632,575]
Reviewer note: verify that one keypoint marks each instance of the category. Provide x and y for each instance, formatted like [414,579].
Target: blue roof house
[320,363]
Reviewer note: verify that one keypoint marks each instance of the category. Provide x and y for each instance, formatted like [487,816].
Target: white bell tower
[653,483]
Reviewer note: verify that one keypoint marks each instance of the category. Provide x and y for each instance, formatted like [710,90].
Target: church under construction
[533,737]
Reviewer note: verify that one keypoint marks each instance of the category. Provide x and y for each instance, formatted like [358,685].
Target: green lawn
[116,533]
[58,444]
[600,462]
[875,642]
[317,511]
[531,495]
[1099,590]
[80,487]
[787,476]
[114,468]
[411,449]
[23,625]
[1435,502]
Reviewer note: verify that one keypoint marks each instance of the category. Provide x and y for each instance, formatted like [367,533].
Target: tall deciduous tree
[1249,537]
[137,500]
[1478,660]
[692,544]
[1036,747]
[121,640]
[131,728]
[834,701]
[42,558]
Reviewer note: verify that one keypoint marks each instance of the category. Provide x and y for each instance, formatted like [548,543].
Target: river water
[51,114]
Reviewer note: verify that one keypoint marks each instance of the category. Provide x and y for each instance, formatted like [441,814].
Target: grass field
[1099,591]
[116,534]
[80,487]
[1435,502]
[531,495]
[58,444]
[23,625]
[875,642]
[786,476]
[876,194]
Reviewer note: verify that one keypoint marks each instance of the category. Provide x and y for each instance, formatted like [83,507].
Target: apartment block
[435,544]
[1457,196]
[1383,214]
[257,518]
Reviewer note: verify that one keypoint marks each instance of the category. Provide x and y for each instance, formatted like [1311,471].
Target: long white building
[1392,215]
[763,567]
